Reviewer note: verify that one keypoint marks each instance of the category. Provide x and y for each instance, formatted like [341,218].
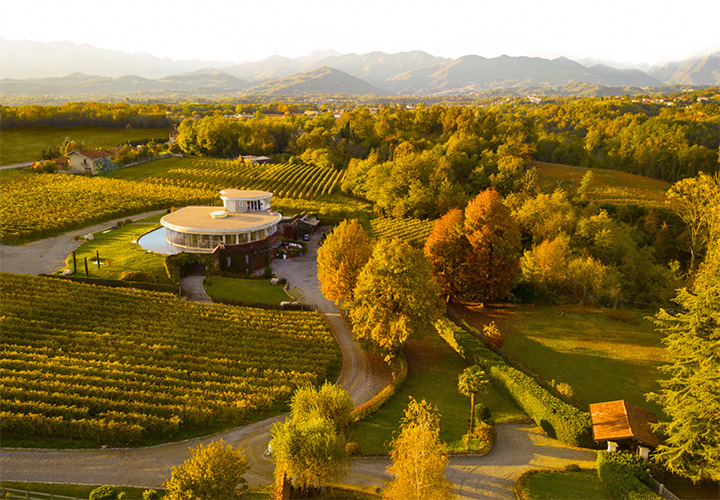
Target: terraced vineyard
[283,180]
[100,365]
[414,231]
[38,205]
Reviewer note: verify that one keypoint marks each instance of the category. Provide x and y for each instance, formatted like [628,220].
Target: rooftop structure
[617,421]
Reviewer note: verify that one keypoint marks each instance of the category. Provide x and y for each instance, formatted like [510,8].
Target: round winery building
[245,221]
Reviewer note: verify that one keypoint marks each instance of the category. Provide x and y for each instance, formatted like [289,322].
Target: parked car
[306,237]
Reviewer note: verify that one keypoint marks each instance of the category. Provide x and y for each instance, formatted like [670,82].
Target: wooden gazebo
[624,425]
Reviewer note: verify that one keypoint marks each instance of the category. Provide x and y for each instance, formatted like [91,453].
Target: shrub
[150,495]
[493,336]
[352,448]
[622,474]
[482,412]
[572,468]
[139,276]
[106,492]
[557,418]
[481,440]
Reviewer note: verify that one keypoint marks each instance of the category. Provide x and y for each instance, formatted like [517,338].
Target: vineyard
[283,180]
[96,365]
[34,206]
[414,231]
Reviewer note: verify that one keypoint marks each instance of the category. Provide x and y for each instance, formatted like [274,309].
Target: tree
[471,381]
[450,254]
[329,401]
[395,297]
[341,258]
[494,236]
[690,396]
[214,471]
[418,457]
[310,451]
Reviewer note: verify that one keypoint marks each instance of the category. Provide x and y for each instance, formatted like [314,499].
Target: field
[602,359]
[84,365]
[119,252]
[608,186]
[22,144]
[561,485]
[415,231]
[254,291]
[36,206]
[433,369]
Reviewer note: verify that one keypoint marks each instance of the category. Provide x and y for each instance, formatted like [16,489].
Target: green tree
[690,397]
[328,401]
[214,471]
[395,297]
[471,381]
[418,457]
[494,236]
[341,258]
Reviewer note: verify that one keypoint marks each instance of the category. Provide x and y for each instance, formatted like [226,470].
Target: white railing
[13,494]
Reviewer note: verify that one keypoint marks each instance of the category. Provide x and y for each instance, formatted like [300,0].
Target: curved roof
[199,220]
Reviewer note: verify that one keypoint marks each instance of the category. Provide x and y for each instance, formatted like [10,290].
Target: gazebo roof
[618,420]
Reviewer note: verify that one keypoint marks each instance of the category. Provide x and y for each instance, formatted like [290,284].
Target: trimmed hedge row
[153,287]
[622,476]
[372,405]
[557,418]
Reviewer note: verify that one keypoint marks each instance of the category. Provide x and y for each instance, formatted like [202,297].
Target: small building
[87,161]
[624,426]
[260,160]
[173,136]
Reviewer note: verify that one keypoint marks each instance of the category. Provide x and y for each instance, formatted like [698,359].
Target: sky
[629,32]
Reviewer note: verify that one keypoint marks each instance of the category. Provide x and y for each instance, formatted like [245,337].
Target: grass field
[119,252]
[253,291]
[561,485]
[608,186]
[602,359]
[73,490]
[433,369]
[21,144]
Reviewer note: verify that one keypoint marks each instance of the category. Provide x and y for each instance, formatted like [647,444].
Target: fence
[12,494]
[660,489]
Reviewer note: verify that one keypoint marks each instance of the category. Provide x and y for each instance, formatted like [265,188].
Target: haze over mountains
[34,68]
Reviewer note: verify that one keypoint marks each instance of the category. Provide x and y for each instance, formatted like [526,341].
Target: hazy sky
[626,31]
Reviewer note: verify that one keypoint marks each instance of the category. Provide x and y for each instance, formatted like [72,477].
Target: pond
[155,241]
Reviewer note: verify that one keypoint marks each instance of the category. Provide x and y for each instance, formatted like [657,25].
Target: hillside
[319,81]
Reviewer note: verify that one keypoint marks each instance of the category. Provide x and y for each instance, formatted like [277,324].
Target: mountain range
[64,69]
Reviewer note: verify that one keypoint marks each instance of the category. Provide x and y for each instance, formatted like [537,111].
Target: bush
[482,412]
[557,418]
[104,493]
[481,440]
[139,276]
[572,468]
[622,474]
[150,495]
[352,448]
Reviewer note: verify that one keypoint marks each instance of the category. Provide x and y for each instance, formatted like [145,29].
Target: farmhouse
[242,235]
[86,161]
[624,426]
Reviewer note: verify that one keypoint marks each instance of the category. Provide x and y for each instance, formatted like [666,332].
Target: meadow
[255,291]
[84,365]
[561,485]
[601,358]
[23,144]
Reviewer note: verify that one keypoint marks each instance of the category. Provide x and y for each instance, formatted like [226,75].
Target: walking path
[519,447]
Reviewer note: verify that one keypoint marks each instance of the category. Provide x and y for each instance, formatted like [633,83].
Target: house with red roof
[85,161]
[624,426]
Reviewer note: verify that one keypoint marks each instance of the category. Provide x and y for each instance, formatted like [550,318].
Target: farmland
[22,144]
[415,231]
[86,365]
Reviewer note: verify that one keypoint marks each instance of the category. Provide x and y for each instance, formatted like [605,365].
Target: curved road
[519,447]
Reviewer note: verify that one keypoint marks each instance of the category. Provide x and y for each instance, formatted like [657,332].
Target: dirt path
[48,255]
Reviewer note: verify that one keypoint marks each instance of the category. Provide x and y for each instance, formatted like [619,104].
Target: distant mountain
[272,67]
[703,70]
[318,81]
[27,59]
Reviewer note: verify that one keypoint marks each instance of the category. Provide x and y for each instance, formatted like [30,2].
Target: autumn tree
[450,254]
[494,236]
[328,401]
[341,258]
[689,396]
[418,457]
[214,471]
[471,381]
[395,297]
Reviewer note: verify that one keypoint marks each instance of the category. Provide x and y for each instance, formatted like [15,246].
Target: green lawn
[119,253]
[561,485]
[602,359]
[21,144]
[251,291]
[156,167]
[71,490]
[433,369]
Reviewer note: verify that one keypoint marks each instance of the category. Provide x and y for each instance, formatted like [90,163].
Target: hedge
[372,405]
[622,476]
[557,418]
[153,287]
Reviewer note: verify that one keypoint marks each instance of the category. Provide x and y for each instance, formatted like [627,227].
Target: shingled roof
[618,420]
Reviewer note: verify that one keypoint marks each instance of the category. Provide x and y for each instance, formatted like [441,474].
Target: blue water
[154,241]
